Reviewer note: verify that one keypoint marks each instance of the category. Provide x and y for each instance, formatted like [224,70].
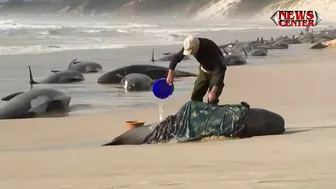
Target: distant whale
[153,71]
[325,44]
[33,103]
[83,66]
[244,47]
[65,76]
[235,58]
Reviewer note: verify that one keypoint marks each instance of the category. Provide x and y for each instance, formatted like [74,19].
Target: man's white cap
[189,43]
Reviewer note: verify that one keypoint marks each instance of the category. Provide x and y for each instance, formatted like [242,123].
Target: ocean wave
[123,31]
[189,31]
[37,49]
[88,26]
[89,30]
[15,24]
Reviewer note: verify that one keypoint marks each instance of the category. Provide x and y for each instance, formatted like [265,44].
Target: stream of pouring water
[161,111]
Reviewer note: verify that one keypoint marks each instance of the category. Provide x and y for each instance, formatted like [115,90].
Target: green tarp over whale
[196,120]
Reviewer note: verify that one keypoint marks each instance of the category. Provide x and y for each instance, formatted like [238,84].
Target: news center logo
[296,18]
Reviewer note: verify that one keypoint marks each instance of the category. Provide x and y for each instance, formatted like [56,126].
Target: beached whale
[235,58]
[83,66]
[166,57]
[253,121]
[153,71]
[33,103]
[279,43]
[242,48]
[317,37]
[65,76]
[136,82]
[288,40]
[258,52]
[325,44]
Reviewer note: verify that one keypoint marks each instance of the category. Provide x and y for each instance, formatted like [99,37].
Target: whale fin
[244,51]
[153,60]
[7,98]
[55,71]
[271,38]
[72,62]
[262,40]
[225,51]
[31,77]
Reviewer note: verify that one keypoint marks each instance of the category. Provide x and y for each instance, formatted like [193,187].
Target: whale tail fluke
[153,60]
[31,79]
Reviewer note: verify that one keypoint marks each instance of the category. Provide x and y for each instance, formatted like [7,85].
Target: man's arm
[176,59]
[218,77]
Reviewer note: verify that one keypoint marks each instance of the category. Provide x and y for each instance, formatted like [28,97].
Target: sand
[54,153]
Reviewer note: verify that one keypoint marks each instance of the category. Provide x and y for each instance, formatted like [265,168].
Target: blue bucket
[162,89]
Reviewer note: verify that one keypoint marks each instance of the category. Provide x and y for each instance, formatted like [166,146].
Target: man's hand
[212,96]
[170,77]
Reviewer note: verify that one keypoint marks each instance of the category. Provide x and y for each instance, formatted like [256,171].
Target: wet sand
[59,153]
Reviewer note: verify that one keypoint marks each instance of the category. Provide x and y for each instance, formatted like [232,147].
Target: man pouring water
[211,69]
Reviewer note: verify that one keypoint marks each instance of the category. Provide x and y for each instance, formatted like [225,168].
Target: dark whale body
[83,67]
[136,82]
[65,76]
[261,122]
[167,57]
[235,58]
[33,103]
[153,71]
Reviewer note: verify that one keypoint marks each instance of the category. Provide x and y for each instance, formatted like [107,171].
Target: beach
[65,152]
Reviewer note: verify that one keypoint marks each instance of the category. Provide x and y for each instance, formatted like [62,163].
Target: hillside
[196,9]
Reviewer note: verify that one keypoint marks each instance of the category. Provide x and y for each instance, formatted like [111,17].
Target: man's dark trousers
[204,83]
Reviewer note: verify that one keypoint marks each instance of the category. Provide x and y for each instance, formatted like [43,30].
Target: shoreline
[218,34]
